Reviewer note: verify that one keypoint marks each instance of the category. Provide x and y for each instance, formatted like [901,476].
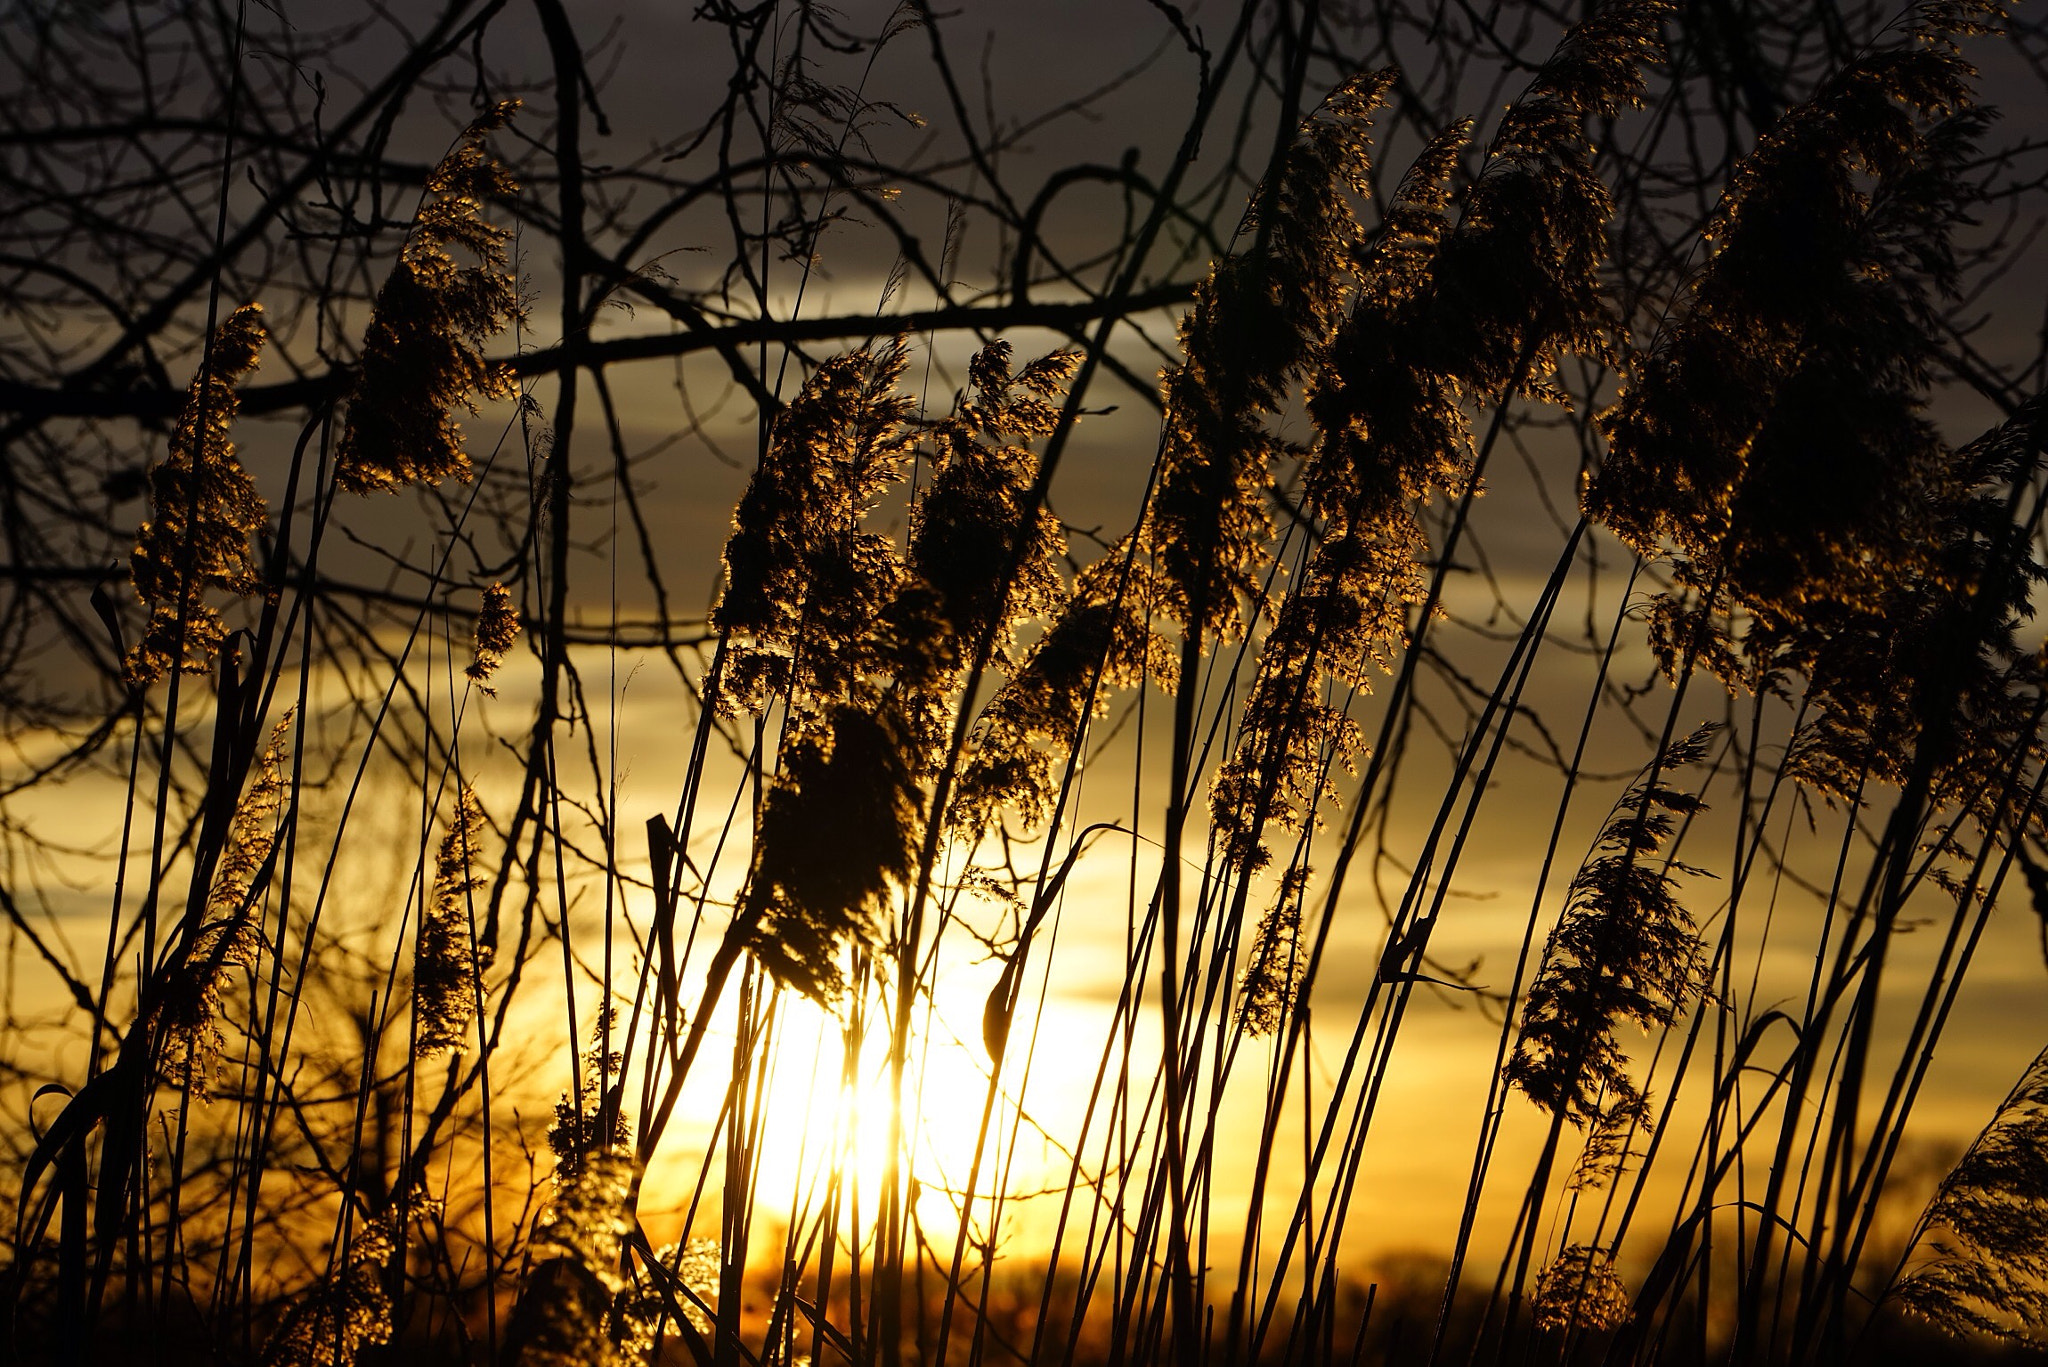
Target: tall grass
[413,1037]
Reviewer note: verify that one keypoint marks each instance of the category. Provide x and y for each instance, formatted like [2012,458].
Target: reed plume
[497,627]
[805,582]
[448,964]
[1772,444]
[831,614]
[1821,533]
[1276,961]
[230,938]
[422,356]
[203,509]
[970,542]
[1624,951]
[1482,309]
[346,1312]
[1260,320]
[1102,640]
[588,1120]
[1349,610]
[1936,670]
[840,824]
[1987,1226]
[982,555]
[1518,283]
[1608,1145]
[565,1316]
[1580,1290]
[865,643]
[1445,314]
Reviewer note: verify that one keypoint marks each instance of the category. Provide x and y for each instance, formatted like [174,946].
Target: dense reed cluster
[1574,419]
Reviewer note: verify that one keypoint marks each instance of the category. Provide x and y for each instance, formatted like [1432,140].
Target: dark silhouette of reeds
[400,1043]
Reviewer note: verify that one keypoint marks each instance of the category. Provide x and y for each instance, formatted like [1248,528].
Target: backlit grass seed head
[1390,420]
[203,509]
[1454,313]
[569,1311]
[1391,433]
[1260,320]
[840,825]
[1276,960]
[697,1267]
[1337,629]
[1397,259]
[969,539]
[805,582]
[1519,280]
[1937,668]
[422,354]
[193,995]
[1616,1126]
[1624,952]
[1822,535]
[333,1321]
[447,963]
[497,628]
[573,1134]
[1303,217]
[1988,1269]
[1581,1290]
[1288,779]
[190,1041]
[600,1126]
[588,1216]
[1101,641]
[1005,403]
[252,830]
[1773,438]
[1449,314]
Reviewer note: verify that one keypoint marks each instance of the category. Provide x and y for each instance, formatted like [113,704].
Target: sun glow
[824,1125]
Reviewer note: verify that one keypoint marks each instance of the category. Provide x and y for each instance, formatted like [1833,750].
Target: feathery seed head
[188,1007]
[805,583]
[1581,1290]
[203,509]
[422,355]
[1624,950]
[331,1323]
[1987,1271]
[1102,640]
[571,1312]
[1276,962]
[497,627]
[840,824]
[1262,319]
[447,963]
